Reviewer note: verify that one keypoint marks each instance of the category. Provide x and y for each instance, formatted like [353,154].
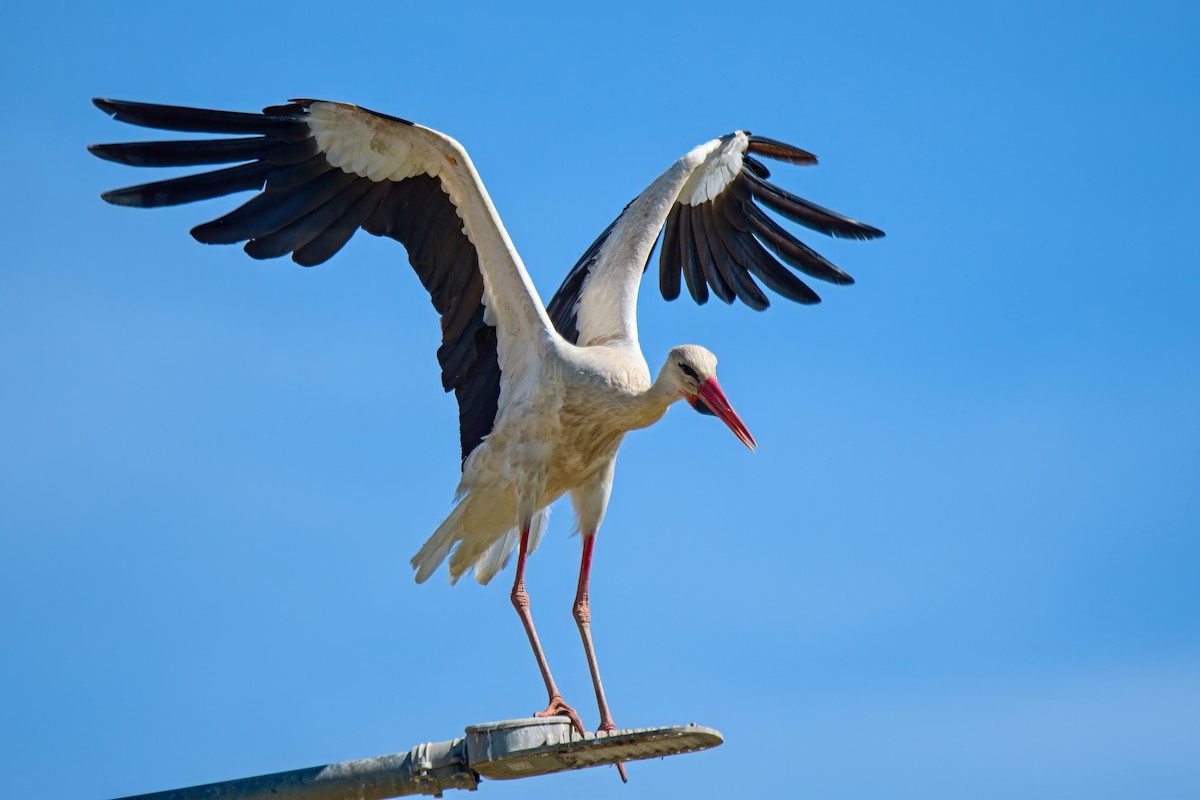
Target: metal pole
[426,769]
[512,749]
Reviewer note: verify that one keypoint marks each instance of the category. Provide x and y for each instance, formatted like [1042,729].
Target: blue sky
[963,562]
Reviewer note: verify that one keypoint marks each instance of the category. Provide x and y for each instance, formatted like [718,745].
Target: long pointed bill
[712,396]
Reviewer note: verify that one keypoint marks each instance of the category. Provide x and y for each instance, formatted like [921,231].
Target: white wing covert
[714,235]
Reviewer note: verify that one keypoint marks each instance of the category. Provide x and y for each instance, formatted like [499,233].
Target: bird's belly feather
[563,450]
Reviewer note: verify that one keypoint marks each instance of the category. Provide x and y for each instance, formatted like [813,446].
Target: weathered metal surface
[515,748]
[426,769]
[521,748]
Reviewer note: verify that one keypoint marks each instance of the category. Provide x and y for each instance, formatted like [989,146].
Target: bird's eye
[691,373]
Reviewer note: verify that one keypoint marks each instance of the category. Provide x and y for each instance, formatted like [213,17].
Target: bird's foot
[609,727]
[559,708]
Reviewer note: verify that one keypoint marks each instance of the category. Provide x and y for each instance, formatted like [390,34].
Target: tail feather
[496,557]
[477,533]
[541,521]
[434,552]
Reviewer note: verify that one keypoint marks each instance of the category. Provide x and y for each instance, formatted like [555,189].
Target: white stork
[545,394]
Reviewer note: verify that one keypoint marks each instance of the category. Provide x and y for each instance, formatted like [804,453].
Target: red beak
[710,393]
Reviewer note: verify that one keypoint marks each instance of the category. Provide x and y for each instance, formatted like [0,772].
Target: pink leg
[583,618]
[520,601]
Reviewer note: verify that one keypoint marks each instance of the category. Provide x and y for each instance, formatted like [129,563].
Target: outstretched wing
[714,235]
[323,170]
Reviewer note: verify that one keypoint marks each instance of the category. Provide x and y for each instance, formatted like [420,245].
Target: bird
[546,393]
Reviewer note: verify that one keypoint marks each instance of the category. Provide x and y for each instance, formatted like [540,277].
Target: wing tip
[860,231]
[112,107]
[116,198]
[101,151]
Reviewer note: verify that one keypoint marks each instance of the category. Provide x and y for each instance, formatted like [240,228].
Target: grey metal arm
[505,750]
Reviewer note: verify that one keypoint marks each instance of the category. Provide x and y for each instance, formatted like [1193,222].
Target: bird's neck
[649,406]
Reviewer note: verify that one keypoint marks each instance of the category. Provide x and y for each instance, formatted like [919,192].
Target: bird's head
[694,371]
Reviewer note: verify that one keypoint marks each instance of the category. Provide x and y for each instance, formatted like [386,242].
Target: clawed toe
[558,708]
